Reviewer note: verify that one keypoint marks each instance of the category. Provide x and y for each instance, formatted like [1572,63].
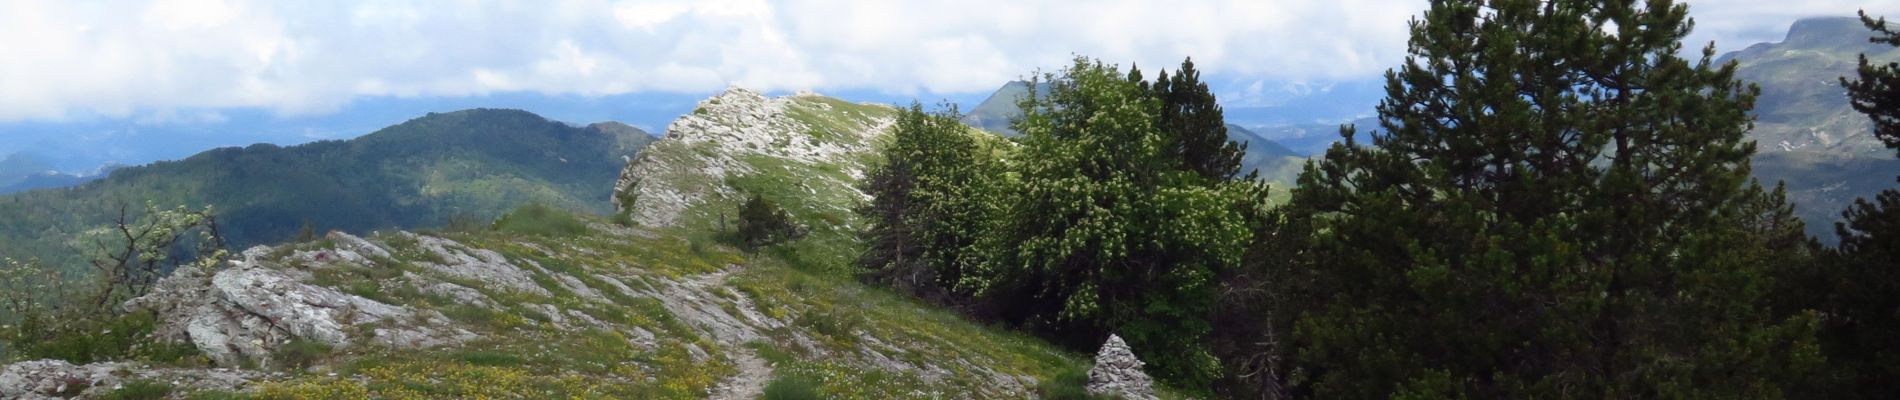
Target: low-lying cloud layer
[63,59]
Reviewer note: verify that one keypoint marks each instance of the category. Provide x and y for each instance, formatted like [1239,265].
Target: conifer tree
[1194,124]
[1556,205]
[1863,283]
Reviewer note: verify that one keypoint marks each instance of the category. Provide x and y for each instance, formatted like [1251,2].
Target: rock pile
[1118,373]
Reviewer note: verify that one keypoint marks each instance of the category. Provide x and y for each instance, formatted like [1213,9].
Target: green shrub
[461,222]
[762,223]
[302,353]
[139,390]
[789,388]
[489,358]
[537,219]
[841,325]
[1070,385]
[81,338]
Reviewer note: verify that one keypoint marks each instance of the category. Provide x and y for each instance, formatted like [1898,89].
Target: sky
[290,71]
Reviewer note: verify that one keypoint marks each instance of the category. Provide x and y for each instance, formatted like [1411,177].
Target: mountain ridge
[423,172]
[656,305]
[1807,135]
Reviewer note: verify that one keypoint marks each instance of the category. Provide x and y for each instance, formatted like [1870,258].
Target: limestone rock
[49,379]
[1117,372]
[55,379]
[243,312]
[461,294]
[477,264]
[717,140]
[255,253]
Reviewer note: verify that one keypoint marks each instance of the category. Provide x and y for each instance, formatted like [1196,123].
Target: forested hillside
[471,164]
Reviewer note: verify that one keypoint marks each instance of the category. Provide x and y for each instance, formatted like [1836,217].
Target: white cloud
[60,59]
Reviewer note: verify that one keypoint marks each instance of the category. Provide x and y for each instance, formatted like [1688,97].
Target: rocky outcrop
[1118,373]
[480,265]
[243,312]
[721,137]
[54,379]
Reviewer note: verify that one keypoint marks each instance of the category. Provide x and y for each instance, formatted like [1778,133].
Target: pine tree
[1877,92]
[1194,124]
[1557,205]
[1863,284]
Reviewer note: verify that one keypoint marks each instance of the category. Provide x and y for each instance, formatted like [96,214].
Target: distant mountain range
[1807,134]
[473,163]
[21,172]
[1301,103]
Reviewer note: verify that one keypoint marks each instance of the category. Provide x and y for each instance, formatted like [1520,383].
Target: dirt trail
[749,383]
[693,298]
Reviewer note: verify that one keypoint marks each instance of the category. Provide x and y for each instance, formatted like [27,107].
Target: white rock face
[482,265]
[244,311]
[1118,373]
[704,148]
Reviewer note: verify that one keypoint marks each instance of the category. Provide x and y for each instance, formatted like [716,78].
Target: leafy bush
[302,353]
[1070,385]
[763,223]
[837,324]
[788,388]
[82,338]
[538,219]
[49,314]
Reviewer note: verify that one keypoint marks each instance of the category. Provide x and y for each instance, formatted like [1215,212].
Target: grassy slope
[859,331]
[523,354]
[840,336]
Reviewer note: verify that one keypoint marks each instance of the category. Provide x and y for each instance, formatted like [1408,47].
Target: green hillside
[423,172]
[658,304]
[1274,162]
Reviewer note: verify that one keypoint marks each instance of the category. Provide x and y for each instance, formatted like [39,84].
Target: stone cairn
[1118,373]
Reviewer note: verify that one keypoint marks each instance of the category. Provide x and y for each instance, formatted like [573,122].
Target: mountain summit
[1807,135]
